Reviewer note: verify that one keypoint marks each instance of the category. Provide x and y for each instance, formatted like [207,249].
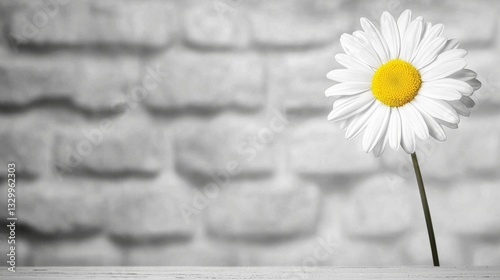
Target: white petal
[394,129]
[347,89]
[425,39]
[451,55]
[348,49]
[407,135]
[435,71]
[426,27]
[475,84]
[376,128]
[361,35]
[468,102]
[464,75]
[447,83]
[360,121]
[460,107]
[380,147]
[417,122]
[391,34]
[451,44]
[435,129]
[355,47]
[428,52]
[404,22]
[343,124]
[411,40]
[347,122]
[444,93]
[376,39]
[435,31]
[438,109]
[353,63]
[348,75]
[429,34]
[348,106]
[447,124]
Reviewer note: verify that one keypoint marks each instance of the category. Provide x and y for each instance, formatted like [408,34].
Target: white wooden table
[257,273]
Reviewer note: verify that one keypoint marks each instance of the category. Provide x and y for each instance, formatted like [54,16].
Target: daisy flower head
[401,82]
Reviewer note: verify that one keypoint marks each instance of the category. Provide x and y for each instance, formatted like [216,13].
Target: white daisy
[401,81]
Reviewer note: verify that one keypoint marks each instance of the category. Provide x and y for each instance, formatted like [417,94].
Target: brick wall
[194,133]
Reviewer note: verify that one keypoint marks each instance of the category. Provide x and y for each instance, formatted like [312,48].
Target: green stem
[427,212]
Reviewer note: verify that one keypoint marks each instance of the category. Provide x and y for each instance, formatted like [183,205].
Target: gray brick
[369,253]
[133,23]
[27,78]
[153,213]
[27,145]
[487,254]
[229,145]
[109,83]
[472,208]
[300,79]
[280,254]
[379,209]
[51,209]
[103,83]
[181,254]
[470,23]
[209,81]
[298,24]
[263,211]
[93,251]
[320,149]
[216,24]
[482,136]
[108,148]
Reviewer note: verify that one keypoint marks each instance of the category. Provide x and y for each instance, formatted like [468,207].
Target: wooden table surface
[260,273]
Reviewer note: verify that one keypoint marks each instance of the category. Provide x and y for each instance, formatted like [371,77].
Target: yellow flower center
[396,83]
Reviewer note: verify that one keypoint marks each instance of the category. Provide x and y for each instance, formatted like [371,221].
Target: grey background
[194,133]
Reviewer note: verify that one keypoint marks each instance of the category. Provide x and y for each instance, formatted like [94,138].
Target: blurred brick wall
[194,133]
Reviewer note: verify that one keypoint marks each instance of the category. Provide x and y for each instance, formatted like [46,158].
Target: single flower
[403,81]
